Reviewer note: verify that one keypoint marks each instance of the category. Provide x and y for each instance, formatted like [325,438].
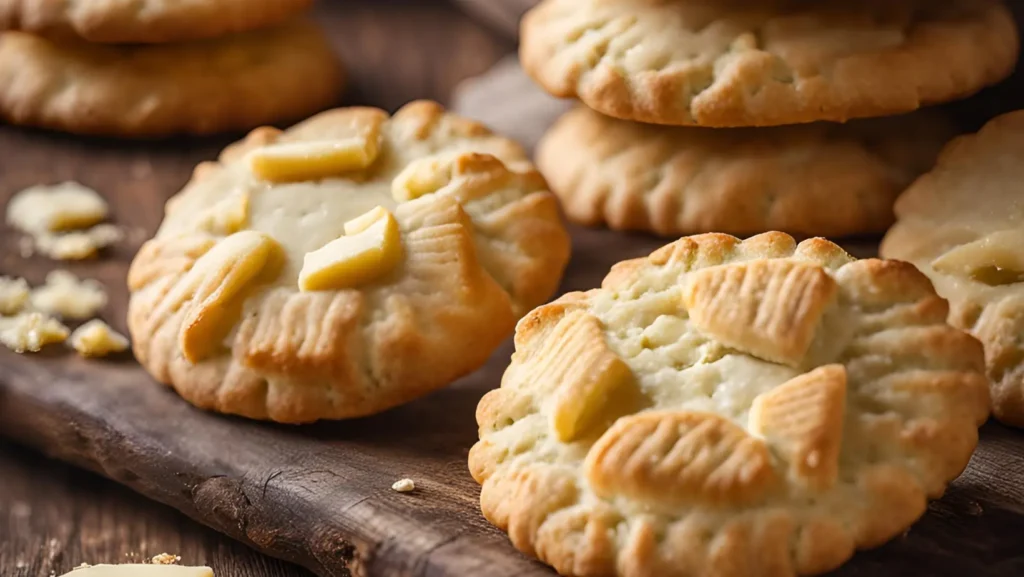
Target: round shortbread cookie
[233,83]
[727,408]
[963,225]
[144,21]
[346,265]
[820,179]
[722,64]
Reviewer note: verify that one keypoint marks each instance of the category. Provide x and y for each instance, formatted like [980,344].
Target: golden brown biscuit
[144,21]
[346,265]
[814,179]
[726,407]
[232,83]
[715,63]
[963,225]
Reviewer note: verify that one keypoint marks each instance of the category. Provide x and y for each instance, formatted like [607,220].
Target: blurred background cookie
[231,83]
[145,21]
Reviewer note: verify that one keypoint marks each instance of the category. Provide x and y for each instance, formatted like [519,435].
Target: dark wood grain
[501,15]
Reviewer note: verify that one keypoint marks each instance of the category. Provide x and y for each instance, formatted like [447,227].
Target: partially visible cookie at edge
[726,64]
[819,179]
[344,266]
[727,407]
[963,225]
[145,21]
[233,83]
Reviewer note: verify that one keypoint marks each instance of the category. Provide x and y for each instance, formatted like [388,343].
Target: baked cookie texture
[236,82]
[722,64]
[451,236]
[963,225]
[728,408]
[144,21]
[811,179]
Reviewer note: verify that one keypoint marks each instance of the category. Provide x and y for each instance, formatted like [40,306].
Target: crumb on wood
[404,485]
[165,559]
[84,565]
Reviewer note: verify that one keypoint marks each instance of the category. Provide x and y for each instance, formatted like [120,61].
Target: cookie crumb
[84,565]
[96,339]
[165,559]
[66,296]
[78,245]
[30,332]
[53,208]
[13,295]
[404,485]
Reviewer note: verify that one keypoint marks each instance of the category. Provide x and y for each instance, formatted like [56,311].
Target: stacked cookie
[724,116]
[153,68]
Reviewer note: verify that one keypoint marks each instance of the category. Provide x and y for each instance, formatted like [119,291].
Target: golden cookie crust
[146,21]
[961,224]
[233,83]
[813,179]
[722,64]
[702,458]
[218,283]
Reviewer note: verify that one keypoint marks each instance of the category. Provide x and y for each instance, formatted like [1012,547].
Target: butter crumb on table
[14,294]
[53,208]
[96,339]
[404,485]
[66,296]
[78,245]
[31,332]
[165,559]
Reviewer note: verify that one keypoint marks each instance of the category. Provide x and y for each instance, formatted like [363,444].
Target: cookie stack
[704,115]
[154,68]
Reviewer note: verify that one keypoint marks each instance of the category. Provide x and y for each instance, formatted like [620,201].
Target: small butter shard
[14,295]
[31,332]
[78,245]
[65,296]
[140,570]
[300,161]
[431,174]
[404,485]
[227,216]
[215,286]
[96,339]
[995,260]
[64,206]
[371,247]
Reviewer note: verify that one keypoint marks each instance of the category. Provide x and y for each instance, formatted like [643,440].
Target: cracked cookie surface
[963,225]
[232,83]
[144,21]
[747,408]
[282,286]
[719,64]
[815,179]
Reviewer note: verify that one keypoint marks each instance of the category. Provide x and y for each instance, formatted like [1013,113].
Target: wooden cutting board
[320,495]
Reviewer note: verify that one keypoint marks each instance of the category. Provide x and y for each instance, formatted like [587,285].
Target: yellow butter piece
[96,339]
[371,247]
[299,161]
[227,216]
[423,176]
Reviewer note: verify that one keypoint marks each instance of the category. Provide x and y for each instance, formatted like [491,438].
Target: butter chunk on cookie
[96,339]
[768,308]
[298,161]
[803,418]
[371,247]
[996,259]
[60,207]
[212,289]
[680,457]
